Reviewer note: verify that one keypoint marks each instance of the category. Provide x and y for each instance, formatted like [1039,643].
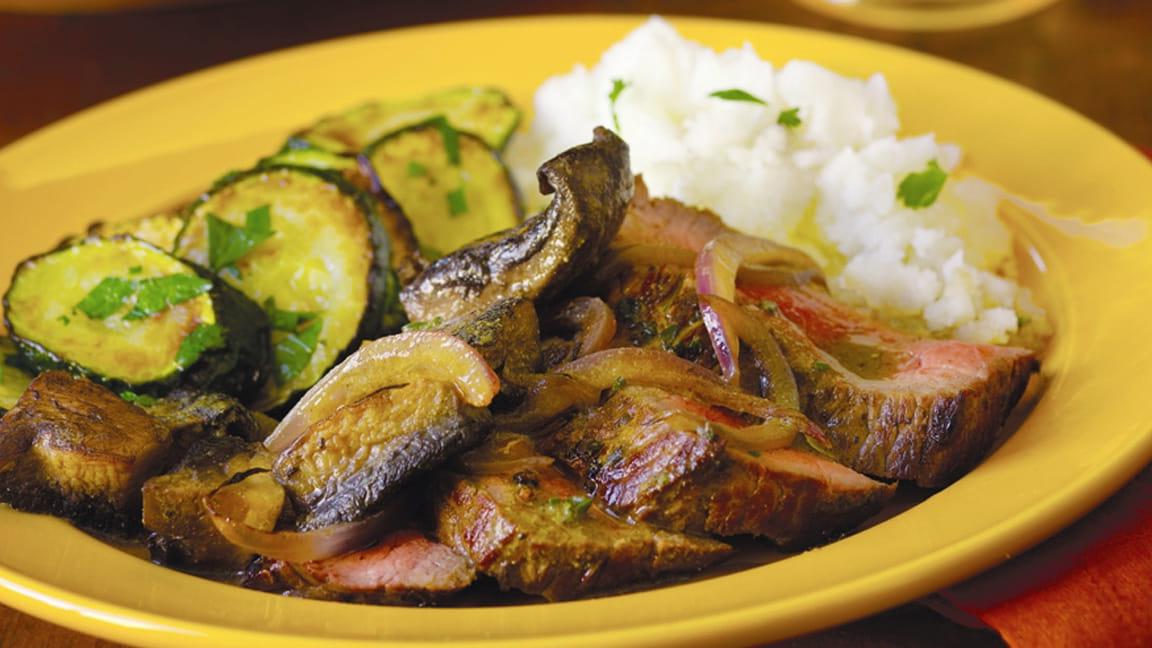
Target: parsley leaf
[821,366]
[618,86]
[294,351]
[457,202]
[228,243]
[415,169]
[451,139]
[568,509]
[789,118]
[135,270]
[64,319]
[143,400]
[107,297]
[736,94]
[424,325]
[286,320]
[202,338]
[155,294]
[668,336]
[617,384]
[919,190]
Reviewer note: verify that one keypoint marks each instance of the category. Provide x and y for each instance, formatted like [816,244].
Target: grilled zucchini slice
[311,248]
[13,378]
[452,186]
[131,316]
[485,112]
[160,230]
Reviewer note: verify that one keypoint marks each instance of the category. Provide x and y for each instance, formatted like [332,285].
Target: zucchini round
[319,264]
[158,229]
[129,315]
[13,379]
[486,112]
[452,186]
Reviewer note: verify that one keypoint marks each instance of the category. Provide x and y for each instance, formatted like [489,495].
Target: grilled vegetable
[174,510]
[451,185]
[398,406]
[484,112]
[507,335]
[194,415]
[160,229]
[73,448]
[126,314]
[13,378]
[311,248]
[593,184]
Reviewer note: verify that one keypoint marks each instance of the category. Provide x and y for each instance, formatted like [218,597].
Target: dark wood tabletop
[1094,56]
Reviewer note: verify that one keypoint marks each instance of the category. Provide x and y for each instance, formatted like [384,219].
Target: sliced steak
[404,566]
[895,406]
[536,531]
[656,457]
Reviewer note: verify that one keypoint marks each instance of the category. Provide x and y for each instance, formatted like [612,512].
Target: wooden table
[1092,55]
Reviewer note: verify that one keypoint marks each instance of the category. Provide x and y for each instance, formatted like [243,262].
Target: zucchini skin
[237,369]
[383,312]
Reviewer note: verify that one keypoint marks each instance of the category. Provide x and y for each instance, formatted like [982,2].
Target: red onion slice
[594,322]
[781,381]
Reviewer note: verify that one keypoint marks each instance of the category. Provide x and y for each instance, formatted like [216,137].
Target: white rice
[828,186]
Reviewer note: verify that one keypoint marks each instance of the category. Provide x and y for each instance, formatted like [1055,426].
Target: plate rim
[1051,513]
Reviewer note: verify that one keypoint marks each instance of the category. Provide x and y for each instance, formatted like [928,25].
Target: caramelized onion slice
[549,396]
[781,381]
[504,453]
[643,255]
[772,434]
[635,366]
[388,362]
[229,506]
[716,268]
[594,321]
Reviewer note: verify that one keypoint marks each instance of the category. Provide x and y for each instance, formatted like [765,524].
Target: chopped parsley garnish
[618,86]
[769,306]
[286,320]
[568,509]
[424,325]
[64,319]
[294,351]
[920,190]
[789,118]
[754,453]
[617,385]
[736,94]
[457,202]
[415,169]
[706,432]
[143,400]
[202,338]
[430,253]
[451,139]
[228,243]
[1022,321]
[107,297]
[668,335]
[820,366]
[134,270]
[158,293]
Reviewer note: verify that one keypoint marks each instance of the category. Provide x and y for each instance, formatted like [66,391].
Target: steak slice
[656,457]
[534,530]
[895,406]
[406,565]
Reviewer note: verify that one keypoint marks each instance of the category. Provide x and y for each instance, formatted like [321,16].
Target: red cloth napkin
[1091,585]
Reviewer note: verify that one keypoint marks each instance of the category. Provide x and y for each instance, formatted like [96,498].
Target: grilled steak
[73,448]
[404,566]
[894,406]
[654,456]
[534,530]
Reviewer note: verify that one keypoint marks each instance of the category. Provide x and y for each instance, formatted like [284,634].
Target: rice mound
[828,186]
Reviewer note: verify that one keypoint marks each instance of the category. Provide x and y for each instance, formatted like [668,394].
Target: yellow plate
[1090,431]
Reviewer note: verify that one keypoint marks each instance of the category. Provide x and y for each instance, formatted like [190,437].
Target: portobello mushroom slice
[523,522]
[173,507]
[452,186]
[311,248]
[195,415]
[124,313]
[487,113]
[73,448]
[593,184]
[13,378]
